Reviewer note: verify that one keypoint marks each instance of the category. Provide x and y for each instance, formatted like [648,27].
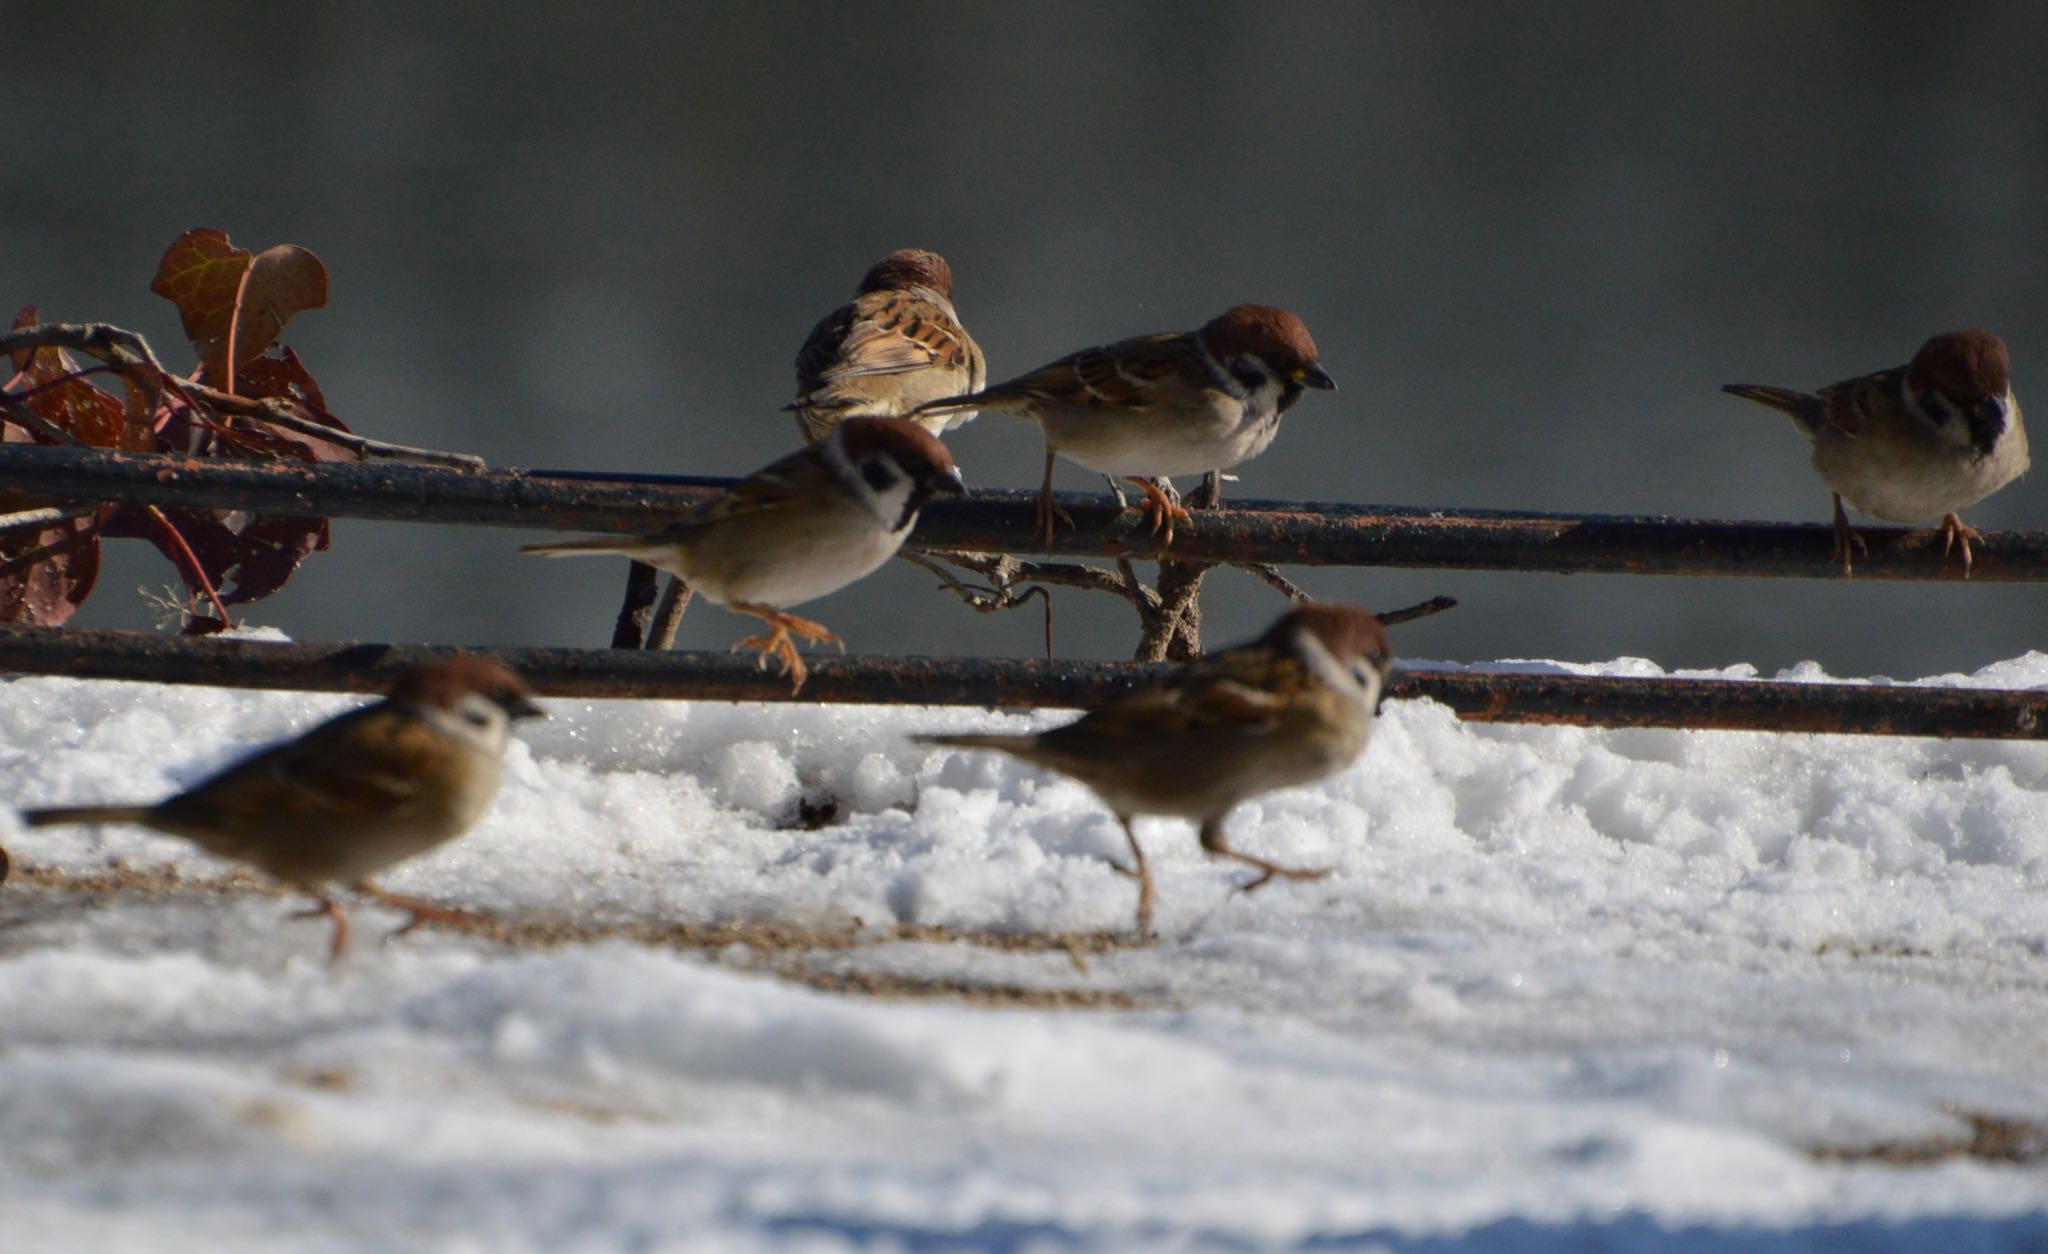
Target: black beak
[948,484]
[1315,377]
[518,707]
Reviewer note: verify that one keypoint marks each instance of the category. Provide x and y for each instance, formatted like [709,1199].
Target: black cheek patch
[1248,376]
[880,473]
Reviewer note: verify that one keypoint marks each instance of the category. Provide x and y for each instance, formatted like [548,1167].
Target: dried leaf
[78,406]
[246,556]
[201,273]
[46,575]
[282,282]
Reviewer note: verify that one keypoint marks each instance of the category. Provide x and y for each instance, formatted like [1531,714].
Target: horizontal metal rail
[1493,696]
[1287,533]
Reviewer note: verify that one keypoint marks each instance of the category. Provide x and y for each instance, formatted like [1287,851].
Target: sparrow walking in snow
[359,793]
[1286,709]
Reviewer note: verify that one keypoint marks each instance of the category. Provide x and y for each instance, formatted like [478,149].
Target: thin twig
[131,355]
[630,629]
[1281,583]
[668,616]
[43,519]
[1435,605]
[190,560]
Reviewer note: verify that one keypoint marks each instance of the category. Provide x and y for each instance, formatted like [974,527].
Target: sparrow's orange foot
[1845,537]
[778,644]
[1049,511]
[420,911]
[1161,510]
[1268,871]
[330,909]
[1140,871]
[1954,531]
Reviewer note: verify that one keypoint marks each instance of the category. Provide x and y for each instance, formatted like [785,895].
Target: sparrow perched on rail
[894,346]
[1288,708]
[359,793]
[799,528]
[1180,403]
[1931,437]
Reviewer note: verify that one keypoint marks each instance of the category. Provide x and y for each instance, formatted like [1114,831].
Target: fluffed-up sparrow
[894,346]
[1928,438]
[1286,709]
[806,525]
[1180,403]
[357,794]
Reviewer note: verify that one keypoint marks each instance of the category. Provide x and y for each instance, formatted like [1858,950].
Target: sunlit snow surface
[1567,990]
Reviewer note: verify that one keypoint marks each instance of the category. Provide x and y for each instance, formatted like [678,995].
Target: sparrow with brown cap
[897,344]
[357,794]
[1180,403]
[1289,708]
[797,529]
[1928,438]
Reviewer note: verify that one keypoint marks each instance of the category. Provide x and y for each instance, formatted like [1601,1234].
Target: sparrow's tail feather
[1008,744]
[585,546]
[53,815]
[1804,408]
[952,404]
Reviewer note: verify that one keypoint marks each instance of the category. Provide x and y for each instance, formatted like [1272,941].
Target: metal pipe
[1288,533]
[1492,696]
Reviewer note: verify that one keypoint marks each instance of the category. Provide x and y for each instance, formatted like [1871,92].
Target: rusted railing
[1521,695]
[1286,533]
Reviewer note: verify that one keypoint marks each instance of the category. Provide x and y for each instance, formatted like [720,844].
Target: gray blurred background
[1531,241]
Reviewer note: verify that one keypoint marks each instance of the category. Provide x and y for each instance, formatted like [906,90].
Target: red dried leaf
[285,378]
[219,288]
[247,557]
[78,406]
[282,282]
[201,273]
[46,575]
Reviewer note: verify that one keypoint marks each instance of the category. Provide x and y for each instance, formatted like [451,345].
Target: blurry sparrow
[1181,403]
[897,344]
[799,528]
[1932,437]
[1289,708]
[359,793]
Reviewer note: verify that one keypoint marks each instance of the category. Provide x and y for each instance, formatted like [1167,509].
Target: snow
[1568,989]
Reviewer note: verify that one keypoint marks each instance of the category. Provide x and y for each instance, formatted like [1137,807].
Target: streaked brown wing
[901,333]
[1124,375]
[1852,405]
[777,485]
[1245,689]
[366,763]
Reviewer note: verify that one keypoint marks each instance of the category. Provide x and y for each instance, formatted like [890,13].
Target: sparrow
[1286,709]
[895,345]
[1179,403]
[1931,437]
[361,792]
[799,528]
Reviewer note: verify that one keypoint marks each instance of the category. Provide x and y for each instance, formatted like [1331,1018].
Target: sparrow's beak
[948,484]
[523,707]
[1315,377]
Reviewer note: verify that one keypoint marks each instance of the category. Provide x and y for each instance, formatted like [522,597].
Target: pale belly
[1915,485]
[771,560]
[1148,444]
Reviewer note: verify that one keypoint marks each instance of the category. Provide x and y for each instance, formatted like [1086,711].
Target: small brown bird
[355,795]
[1288,708]
[1181,403]
[1928,438]
[806,525]
[894,346]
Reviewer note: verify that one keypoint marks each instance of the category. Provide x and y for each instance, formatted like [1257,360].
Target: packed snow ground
[1568,989]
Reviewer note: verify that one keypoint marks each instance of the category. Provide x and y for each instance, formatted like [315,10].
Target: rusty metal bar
[1493,696]
[1000,521]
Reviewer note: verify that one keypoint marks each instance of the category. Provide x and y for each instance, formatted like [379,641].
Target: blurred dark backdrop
[1531,240]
